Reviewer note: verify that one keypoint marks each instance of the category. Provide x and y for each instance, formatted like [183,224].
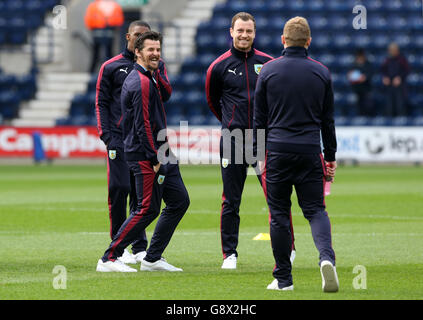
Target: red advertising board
[191,145]
[58,142]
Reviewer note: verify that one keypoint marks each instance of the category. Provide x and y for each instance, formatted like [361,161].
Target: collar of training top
[142,70]
[241,54]
[128,54]
[295,51]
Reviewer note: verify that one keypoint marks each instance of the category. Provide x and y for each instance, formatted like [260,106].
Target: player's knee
[313,213]
[184,205]
[232,204]
[280,221]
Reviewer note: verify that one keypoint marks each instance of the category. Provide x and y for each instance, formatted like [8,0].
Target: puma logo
[232,71]
[124,70]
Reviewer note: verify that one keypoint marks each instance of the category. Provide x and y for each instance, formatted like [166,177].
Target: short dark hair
[149,35]
[138,23]
[244,16]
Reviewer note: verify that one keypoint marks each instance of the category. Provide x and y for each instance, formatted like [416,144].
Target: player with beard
[109,118]
[143,120]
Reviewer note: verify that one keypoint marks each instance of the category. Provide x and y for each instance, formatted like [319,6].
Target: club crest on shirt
[225,163]
[112,154]
[160,179]
[257,68]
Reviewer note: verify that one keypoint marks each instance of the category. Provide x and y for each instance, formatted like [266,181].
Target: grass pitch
[57,215]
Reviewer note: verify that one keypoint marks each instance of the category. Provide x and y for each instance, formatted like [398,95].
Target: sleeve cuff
[154,161]
[105,137]
[330,156]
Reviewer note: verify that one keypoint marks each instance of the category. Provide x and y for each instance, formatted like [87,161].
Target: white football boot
[127,257]
[275,286]
[159,265]
[113,266]
[229,262]
[330,281]
[140,256]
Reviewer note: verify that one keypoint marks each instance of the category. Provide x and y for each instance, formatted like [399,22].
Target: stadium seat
[212,121]
[377,22]
[318,22]
[401,121]
[359,121]
[342,121]
[278,5]
[380,121]
[417,121]
[9,104]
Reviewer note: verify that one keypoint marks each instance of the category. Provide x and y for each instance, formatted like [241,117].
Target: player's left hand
[330,170]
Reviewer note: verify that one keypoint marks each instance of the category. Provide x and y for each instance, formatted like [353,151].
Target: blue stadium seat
[417,40]
[26,86]
[327,59]
[212,121]
[278,5]
[398,23]
[377,22]
[174,119]
[342,121]
[35,7]
[192,80]
[394,5]
[362,39]
[321,40]
[318,22]
[412,6]
[381,41]
[401,121]
[360,121]
[9,104]
[339,22]
[197,120]
[416,104]
[415,22]
[63,122]
[7,82]
[415,80]
[381,121]
[315,6]
[296,6]
[264,41]
[342,43]
[402,39]
[375,6]
[339,6]
[237,5]
[262,22]
[417,121]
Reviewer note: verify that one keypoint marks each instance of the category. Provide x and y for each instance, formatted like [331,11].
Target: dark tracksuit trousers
[306,173]
[234,175]
[151,188]
[121,182]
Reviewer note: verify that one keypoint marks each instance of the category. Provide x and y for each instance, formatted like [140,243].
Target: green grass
[57,215]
